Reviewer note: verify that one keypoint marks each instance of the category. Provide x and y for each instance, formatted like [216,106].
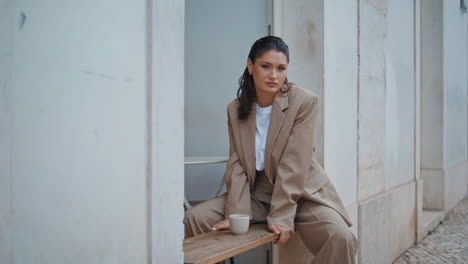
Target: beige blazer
[290,162]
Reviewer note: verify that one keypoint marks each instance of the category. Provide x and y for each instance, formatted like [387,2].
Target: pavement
[448,243]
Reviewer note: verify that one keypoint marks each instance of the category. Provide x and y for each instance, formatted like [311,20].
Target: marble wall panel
[375,230]
[456,184]
[403,218]
[455,83]
[432,92]
[400,90]
[303,32]
[340,91]
[372,98]
[434,189]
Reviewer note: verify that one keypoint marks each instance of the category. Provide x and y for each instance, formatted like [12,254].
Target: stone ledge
[430,220]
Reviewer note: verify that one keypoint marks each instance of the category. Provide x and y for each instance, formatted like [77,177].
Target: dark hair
[246,93]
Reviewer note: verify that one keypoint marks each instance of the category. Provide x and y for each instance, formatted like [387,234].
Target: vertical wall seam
[11,135]
[443,87]
[415,124]
[358,95]
[282,18]
[149,85]
[386,103]
[415,94]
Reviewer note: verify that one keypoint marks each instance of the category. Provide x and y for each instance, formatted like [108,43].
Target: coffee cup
[239,223]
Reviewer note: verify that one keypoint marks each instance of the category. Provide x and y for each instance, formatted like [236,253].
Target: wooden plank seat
[217,246]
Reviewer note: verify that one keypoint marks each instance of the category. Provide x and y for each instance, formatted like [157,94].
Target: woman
[272,174]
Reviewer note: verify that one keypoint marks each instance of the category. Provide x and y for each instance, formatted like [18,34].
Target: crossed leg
[325,233]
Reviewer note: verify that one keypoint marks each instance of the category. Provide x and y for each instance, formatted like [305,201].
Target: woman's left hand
[284,234]
[221,225]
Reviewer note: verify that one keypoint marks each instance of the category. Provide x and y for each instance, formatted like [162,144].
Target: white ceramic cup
[239,223]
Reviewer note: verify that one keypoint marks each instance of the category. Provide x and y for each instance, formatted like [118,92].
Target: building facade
[98,102]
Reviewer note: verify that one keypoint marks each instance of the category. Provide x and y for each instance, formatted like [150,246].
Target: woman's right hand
[284,234]
[221,225]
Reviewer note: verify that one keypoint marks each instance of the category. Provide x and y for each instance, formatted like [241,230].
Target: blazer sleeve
[237,184]
[294,166]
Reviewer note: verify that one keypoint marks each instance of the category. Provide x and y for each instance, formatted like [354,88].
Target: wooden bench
[217,246]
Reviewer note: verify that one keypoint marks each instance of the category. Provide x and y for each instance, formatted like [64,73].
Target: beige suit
[293,192]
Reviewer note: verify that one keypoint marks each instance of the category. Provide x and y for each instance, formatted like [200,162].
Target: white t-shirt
[261,131]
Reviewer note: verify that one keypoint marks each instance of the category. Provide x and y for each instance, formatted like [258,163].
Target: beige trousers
[321,228]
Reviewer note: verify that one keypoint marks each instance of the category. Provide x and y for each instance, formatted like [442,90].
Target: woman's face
[269,71]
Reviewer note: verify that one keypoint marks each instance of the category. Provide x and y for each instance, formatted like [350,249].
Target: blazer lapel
[247,132]
[280,104]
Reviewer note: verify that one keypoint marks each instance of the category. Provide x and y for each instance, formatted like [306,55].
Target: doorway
[218,37]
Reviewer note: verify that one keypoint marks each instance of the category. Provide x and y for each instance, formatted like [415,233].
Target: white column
[167,130]
[443,104]
[455,103]
[432,104]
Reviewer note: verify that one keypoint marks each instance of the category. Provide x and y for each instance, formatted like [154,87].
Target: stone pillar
[432,104]
[167,130]
[444,166]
